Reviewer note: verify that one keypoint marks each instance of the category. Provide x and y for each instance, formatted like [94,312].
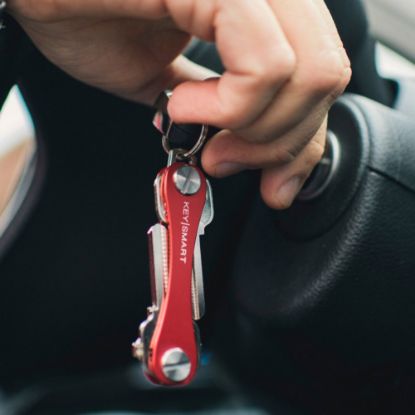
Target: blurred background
[392,24]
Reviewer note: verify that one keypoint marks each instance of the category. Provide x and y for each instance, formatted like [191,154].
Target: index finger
[257,57]
[255,52]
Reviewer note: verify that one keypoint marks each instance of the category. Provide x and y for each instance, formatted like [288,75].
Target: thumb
[179,71]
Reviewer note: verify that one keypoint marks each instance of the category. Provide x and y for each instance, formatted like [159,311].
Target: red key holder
[174,350]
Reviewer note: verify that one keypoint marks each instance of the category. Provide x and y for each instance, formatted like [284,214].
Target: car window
[392,22]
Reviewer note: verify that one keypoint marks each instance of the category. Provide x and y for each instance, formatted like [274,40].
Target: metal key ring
[194,150]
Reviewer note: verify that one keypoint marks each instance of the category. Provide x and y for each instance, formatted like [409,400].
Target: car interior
[333,334]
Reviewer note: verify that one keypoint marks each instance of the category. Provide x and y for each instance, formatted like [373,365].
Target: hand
[285,65]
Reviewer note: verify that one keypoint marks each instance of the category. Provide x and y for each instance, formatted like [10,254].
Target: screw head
[176,365]
[187,180]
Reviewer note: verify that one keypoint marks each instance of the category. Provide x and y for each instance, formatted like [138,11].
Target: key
[158,250]
[160,209]
[198,295]
[169,341]
[158,247]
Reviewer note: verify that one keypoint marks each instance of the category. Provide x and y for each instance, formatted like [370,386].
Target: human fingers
[284,169]
[253,74]
[281,184]
[299,108]
[322,72]
[179,71]
[258,61]
[227,153]
[130,58]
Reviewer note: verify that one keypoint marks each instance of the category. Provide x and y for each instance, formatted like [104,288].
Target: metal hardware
[169,343]
[158,262]
[163,100]
[187,180]
[324,172]
[208,211]
[160,209]
[198,291]
[186,153]
[181,193]
[176,365]
[138,349]
[198,288]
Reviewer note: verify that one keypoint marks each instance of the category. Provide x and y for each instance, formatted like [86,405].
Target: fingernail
[228,168]
[288,191]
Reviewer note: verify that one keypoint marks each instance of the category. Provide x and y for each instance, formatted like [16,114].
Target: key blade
[198,290]
[174,341]
[208,210]
[158,248]
[158,199]
[141,347]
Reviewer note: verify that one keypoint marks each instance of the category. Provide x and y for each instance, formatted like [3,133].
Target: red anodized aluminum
[174,327]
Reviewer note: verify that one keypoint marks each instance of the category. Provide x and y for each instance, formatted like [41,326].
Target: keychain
[169,342]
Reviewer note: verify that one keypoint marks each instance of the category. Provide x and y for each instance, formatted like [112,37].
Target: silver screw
[176,365]
[187,180]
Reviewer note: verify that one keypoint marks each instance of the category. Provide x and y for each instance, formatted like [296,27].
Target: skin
[285,65]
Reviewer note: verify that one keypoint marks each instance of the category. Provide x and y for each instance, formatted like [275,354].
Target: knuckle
[233,115]
[344,79]
[282,64]
[277,68]
[232,118]
[326,77]
[263,77]
[285,155]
